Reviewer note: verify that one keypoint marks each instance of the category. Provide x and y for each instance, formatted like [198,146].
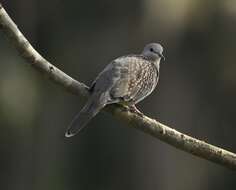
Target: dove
[126,80]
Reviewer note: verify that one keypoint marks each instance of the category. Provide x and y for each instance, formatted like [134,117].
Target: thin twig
[145,124]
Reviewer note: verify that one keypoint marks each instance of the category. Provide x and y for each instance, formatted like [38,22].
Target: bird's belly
[145,90]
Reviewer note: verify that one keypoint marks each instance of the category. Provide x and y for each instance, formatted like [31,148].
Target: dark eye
[151,49]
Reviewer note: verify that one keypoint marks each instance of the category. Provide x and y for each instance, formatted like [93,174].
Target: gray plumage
[127,80]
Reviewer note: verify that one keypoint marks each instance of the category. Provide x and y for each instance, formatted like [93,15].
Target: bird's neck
[156,63]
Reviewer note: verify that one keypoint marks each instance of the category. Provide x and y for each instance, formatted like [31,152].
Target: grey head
[153,52]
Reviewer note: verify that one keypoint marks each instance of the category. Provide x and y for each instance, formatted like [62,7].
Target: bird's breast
[144,83]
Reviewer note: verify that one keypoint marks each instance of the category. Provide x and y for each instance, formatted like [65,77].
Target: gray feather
[84,116]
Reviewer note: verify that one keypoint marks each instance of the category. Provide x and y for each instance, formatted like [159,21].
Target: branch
[145,124]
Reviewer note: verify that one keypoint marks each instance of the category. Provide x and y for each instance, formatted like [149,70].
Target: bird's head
[153,51]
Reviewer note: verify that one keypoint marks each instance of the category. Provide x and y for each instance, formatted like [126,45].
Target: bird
[126,80]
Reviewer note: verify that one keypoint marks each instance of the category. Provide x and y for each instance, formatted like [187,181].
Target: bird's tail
[92,107]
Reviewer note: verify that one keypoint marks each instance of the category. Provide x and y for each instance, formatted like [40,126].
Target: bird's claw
[135,110]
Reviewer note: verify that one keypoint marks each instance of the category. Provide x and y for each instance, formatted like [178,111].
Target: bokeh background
[196,95]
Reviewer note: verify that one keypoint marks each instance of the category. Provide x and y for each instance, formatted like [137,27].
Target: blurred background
[196,95]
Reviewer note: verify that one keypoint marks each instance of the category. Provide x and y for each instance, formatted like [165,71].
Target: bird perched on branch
[126,80]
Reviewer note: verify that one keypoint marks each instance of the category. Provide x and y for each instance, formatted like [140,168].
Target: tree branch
[145,124]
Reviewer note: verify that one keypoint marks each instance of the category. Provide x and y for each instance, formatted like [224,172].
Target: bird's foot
[124,108]
[135,110]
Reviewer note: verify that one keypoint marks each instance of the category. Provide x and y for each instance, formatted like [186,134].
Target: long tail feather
[83,117]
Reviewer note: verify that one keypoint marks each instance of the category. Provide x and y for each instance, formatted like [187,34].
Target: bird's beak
[162,56]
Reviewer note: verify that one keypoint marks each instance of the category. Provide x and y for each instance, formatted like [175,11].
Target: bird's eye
[151,49]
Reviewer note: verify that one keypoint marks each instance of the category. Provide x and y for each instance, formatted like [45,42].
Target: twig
[145,124]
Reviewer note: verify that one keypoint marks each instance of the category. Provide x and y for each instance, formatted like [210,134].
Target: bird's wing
[124,79]
[137,78]
[119,79]
[129,72]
